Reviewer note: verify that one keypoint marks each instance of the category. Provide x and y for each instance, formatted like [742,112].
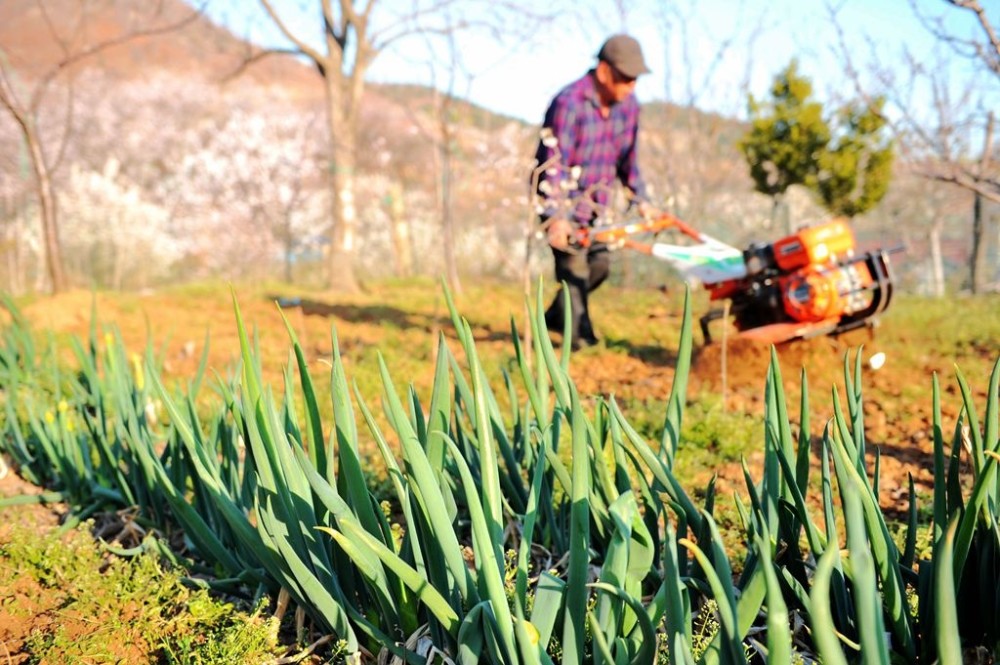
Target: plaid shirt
[604,149]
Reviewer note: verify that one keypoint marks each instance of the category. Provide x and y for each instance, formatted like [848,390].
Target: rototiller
[807,284]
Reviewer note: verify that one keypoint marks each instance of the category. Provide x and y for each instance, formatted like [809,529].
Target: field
[635,363]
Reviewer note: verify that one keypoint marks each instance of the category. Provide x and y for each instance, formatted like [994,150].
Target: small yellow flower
[138,374]
[50,417]
[151,410]
[62,406]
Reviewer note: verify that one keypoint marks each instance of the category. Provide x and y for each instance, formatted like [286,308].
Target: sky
[707,52]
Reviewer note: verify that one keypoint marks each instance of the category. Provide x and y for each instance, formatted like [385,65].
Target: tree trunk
[21,250]
[401,241]
[343,232]
[978,222]
[627,269]
[995,223]
[119,271]
[10,215]
[287,246]
[781,216]
[978,244]
[447,215]
[344,237]
[48,210]
[937,263]
[289,279]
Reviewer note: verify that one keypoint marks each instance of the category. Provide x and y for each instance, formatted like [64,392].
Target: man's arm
[628,166]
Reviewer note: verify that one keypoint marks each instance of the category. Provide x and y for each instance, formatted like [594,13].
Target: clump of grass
[89,607]
[728,435]
[710,433]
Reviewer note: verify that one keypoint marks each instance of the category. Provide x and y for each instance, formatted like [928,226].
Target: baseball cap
[624,54]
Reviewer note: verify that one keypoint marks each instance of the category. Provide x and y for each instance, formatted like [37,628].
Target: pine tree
[854,172]
[848,164]
[787,134]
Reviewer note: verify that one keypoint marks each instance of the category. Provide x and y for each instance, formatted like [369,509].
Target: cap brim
[633,72]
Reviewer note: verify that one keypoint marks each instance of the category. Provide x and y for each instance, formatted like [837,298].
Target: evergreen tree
[848,166]
[786,136]
[854,171]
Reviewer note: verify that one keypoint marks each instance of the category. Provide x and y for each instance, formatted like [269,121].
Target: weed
[121,610]
[710,433]
[727,434]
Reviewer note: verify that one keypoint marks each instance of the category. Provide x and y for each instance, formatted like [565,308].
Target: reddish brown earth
[31,614]
[901,430]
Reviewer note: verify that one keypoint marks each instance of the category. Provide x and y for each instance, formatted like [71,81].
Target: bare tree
[354,33]
[979,220]
[26,93]
[941,103]
[444,137]
[982,49]
[349,46]
[446,62]
[402,155]
[689,159]
[922,215]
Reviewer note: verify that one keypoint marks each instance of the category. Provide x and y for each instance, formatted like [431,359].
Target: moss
[89,607]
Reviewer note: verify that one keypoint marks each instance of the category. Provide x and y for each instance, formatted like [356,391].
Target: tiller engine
[807,284]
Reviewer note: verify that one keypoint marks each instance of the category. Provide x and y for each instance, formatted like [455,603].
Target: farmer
[588,140]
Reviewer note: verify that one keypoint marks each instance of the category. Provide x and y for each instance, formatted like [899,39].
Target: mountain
[35,35]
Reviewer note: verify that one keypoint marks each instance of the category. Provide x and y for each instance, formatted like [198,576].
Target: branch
[945,137]
[8,98]
[301,45]
[255,57]
[413,22]
[987,52]
[987,188]
[67,127]
[337,32]
[991,58]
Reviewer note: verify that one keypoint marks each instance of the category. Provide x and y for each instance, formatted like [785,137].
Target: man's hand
[559,232]
[648,211]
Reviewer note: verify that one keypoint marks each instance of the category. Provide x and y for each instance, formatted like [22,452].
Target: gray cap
[624,54]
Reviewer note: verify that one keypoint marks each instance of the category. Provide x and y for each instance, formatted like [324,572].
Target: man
[589,141]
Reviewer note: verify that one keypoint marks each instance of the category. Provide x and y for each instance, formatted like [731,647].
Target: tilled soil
[899,428]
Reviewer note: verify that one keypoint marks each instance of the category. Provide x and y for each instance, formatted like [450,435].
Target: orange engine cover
[814,294]
[816,245]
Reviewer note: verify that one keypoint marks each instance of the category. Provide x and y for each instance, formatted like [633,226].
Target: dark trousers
[583,270]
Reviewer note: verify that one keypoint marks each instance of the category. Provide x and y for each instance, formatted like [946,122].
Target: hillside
[38,34]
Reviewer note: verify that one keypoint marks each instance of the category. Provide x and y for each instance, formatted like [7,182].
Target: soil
[27,595]
[899,429]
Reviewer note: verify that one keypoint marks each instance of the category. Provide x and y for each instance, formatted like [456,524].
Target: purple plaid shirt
[603,148]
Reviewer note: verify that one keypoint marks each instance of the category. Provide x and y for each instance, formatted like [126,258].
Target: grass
[710,432]
[960,326]
[87,606]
